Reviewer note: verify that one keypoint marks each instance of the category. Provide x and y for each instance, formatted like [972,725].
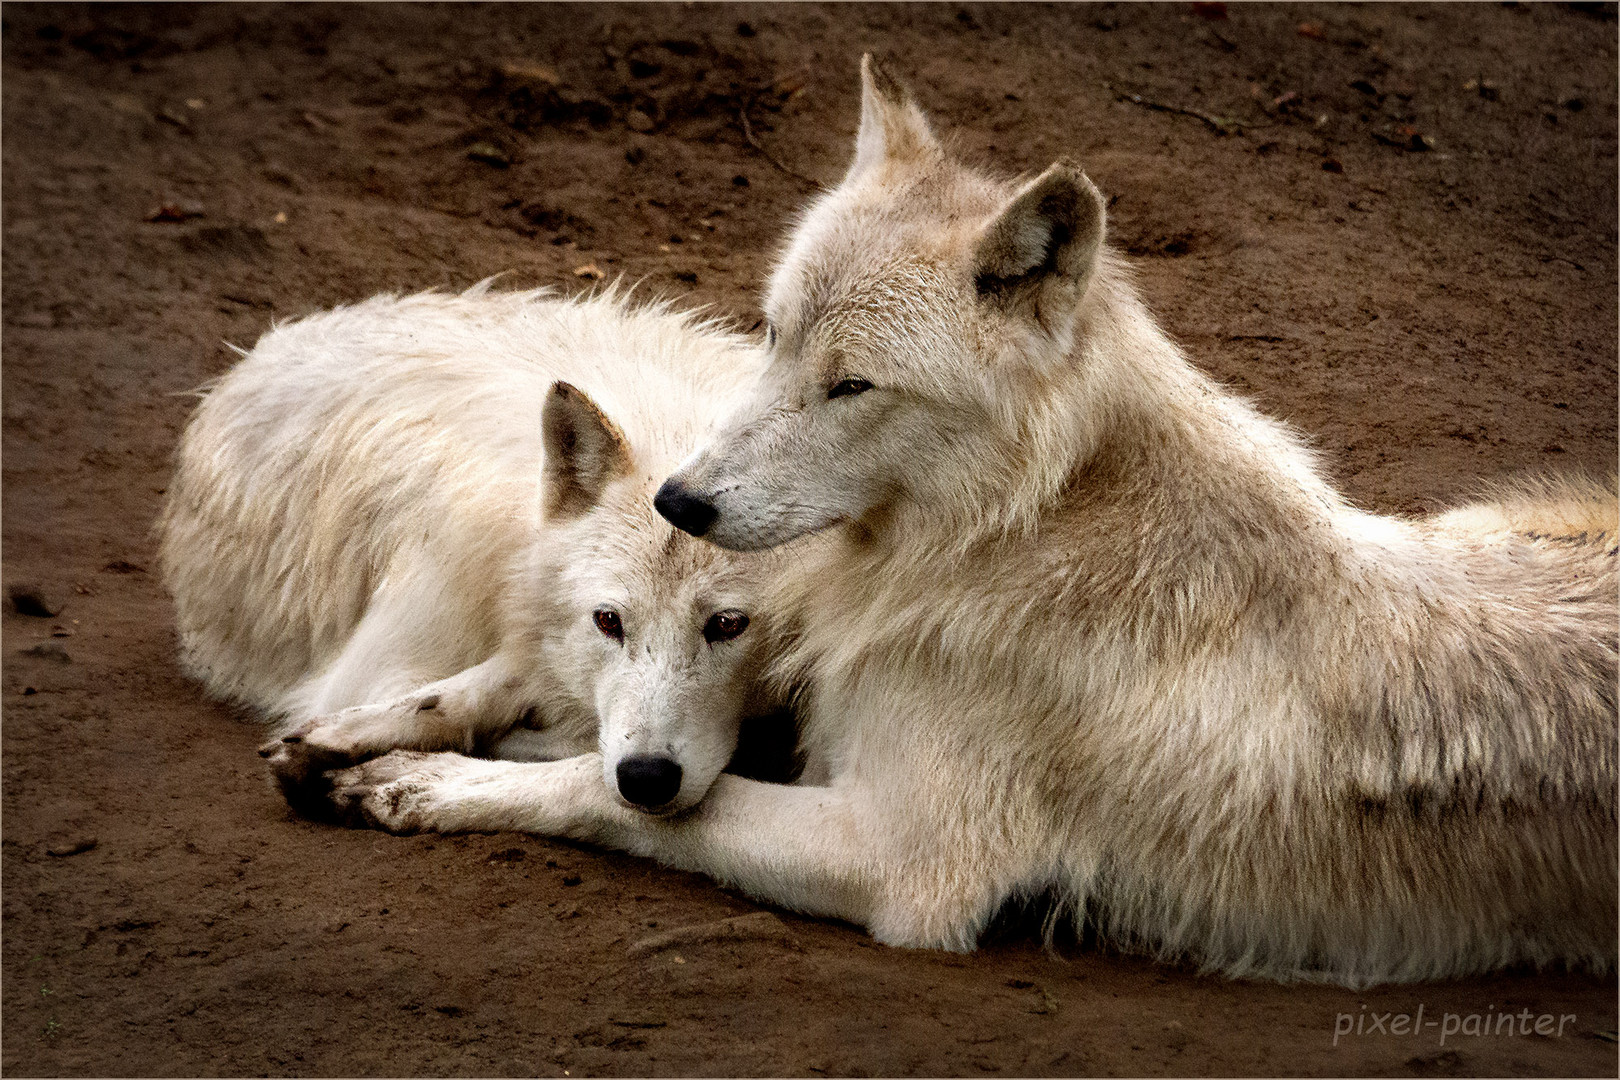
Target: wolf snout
[649,781]
[684,510]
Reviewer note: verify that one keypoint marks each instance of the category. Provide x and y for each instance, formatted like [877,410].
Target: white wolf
[424,521]
[1092,628]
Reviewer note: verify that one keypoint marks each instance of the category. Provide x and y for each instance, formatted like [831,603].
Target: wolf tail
[1565,507]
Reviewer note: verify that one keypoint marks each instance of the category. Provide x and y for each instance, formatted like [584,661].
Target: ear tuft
[1040,250]
[893,128]
[585,451]
[877,77]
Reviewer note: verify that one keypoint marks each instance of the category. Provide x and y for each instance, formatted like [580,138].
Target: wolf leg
[463,712]
[466,712]
[543,744]
[801,847]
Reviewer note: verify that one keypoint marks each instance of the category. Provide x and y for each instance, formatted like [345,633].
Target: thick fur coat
[398,523]
[1091,628]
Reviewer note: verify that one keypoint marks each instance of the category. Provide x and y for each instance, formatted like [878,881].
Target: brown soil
[1432,313]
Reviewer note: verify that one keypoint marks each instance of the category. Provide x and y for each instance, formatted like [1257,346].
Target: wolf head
[909,302]
[656,634]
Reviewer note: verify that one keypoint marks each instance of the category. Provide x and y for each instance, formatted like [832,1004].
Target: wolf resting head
[906,303]
[657,635]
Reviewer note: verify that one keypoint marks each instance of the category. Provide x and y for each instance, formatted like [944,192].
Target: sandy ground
[1395,226]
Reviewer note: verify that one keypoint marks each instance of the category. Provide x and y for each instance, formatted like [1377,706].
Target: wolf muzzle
[649,782]
[684,510]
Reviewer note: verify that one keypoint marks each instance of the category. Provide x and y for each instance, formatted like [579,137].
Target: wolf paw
[398,792]
[300,758]
[300,766]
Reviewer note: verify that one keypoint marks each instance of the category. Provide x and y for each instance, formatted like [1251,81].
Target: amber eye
[724,625]
[846,387]
[607,621]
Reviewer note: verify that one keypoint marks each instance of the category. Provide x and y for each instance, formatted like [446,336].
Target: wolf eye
[845,387]
[724,626]
[770,336]
[607,621]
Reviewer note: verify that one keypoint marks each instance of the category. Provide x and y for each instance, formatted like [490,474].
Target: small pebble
[489,154]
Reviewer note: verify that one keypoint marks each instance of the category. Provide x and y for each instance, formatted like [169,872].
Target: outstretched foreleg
[466,712]
[805,848]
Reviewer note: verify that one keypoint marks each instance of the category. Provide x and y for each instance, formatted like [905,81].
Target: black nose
[684,510]
[649,781]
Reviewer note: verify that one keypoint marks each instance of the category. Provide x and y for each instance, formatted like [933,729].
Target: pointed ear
[893,128]
[1038,254]
[585,451]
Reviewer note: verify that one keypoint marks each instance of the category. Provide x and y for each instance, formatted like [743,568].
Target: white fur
[1092,628]
[356,541]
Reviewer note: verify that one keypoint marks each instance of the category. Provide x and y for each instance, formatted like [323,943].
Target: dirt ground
[1395,226]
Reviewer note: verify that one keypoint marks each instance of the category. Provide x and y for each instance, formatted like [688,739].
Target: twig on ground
[1222,125]
[748,133]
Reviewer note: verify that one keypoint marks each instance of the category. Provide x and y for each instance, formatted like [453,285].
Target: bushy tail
[1545,506]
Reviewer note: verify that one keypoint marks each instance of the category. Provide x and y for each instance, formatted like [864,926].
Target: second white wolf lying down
[426,521]
[1091,627]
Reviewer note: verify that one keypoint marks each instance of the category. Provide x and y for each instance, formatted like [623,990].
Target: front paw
[399,792]
[301,771]
[301,759]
